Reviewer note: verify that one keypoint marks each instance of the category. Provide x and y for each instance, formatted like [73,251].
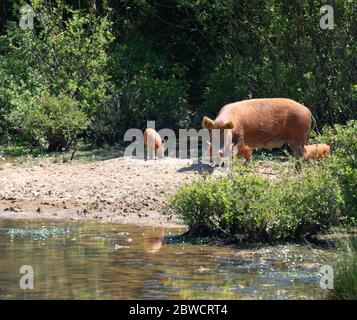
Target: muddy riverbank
[119,190]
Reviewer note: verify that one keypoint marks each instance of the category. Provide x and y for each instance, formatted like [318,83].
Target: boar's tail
[314,125]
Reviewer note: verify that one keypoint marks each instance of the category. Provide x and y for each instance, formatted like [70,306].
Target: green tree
[66,54]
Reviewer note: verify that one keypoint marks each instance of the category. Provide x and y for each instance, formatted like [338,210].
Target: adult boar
[263,123]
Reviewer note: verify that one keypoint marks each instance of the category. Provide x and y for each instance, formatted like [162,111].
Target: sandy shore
[118,190]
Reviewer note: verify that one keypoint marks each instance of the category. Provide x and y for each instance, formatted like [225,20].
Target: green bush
[51,122]
[250,207]
[305,205]
[345,277]
[218,204]
[343,162]
[65,54]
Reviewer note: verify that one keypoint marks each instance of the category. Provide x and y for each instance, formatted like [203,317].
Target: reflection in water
[153,239]
[111,261]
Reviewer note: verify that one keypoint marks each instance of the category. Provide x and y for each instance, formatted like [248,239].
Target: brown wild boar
[264,123]
[316,152]
[153,143]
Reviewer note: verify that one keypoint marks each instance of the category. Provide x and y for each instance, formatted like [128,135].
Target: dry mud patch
[122,190]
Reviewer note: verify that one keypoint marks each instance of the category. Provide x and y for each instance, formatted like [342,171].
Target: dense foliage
[66,55]
[250,208]
[129,61]
[343,163]
[50,122]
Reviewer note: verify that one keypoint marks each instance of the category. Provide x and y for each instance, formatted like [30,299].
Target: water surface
[91,260]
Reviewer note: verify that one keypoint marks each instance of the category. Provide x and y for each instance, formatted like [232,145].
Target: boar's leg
[241,150]
[247,161]
[160,152]
[151,153]
[298,149]
[248,154]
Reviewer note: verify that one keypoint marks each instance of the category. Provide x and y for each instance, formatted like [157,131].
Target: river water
[91,260]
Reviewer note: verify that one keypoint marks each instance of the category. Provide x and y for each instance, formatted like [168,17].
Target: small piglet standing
[154,144]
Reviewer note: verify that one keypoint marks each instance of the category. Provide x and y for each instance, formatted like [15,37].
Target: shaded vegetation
[343,162]
[126,62]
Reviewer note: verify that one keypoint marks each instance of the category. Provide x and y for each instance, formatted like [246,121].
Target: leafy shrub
[305,205]
[52,122]
[343,162]
[252,208]
[345,277]
[219,204]
[65,55]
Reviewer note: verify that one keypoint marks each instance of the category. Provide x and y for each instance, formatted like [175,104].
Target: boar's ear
[229,125]
[207,123]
